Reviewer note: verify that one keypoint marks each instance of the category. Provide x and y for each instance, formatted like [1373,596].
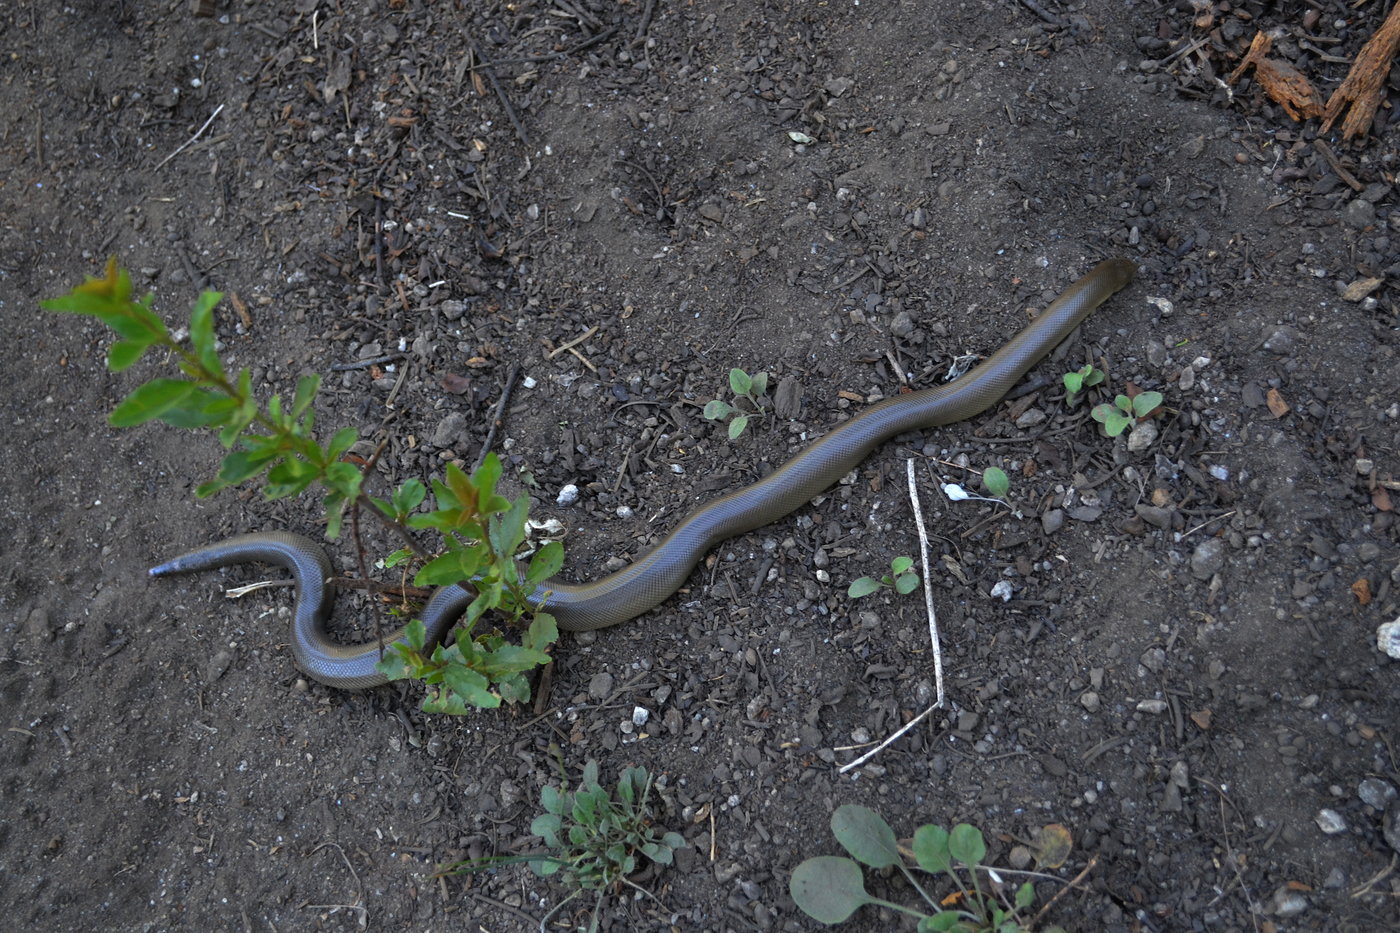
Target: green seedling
[1125,411]
[1079,381]
[995,481]
[593,837]
[752,389]
[481,531]
[830,888]
[901,578]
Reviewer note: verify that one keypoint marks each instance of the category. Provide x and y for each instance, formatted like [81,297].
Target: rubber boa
[659,572]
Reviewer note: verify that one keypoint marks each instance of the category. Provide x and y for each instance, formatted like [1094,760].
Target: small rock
[36,625]
[902,325]
[1154,659]
[1052,521]
[640,715]
[1359,213]
[600,685]
[449,429]
[787,398]
[568,495]
[1287,902]
[1388,638]
[1208,558]
[1376,793]
[1330,821]
[838,86]
[1281,341]
[967,720]
[1171,799]
[1154,516]
[1020,857]
[1002,590]
[217,665]
[1390,825]
[1030,418]
[1152,707]
[1090,701]
[1142,436]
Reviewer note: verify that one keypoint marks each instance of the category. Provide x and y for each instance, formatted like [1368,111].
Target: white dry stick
[190,141]
[932,628]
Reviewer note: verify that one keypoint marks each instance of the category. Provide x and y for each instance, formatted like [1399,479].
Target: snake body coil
[659,572]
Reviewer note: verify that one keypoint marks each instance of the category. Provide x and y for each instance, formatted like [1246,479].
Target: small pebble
[1388,639]
[600,685]
[1288,903]
[1390,825]
[1090,701]
[1142,436]
[568,495]
[1154,516]
[1152,707]
[1208,558]
[1376,793]
[449,430]
[1330,821]
[1052,521]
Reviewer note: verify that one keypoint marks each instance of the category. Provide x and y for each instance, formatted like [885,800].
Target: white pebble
[1330,822]
[568,495]
[1388,638]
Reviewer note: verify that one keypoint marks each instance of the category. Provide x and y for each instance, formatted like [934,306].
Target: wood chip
[1280,80]
[1276,404]
[1361,287]
[1364,86]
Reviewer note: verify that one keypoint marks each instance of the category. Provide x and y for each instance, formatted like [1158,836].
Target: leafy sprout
[752,389]
[1126,411]
[831,888]
[901,578]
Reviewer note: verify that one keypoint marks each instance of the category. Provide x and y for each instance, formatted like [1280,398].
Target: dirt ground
[1186,674]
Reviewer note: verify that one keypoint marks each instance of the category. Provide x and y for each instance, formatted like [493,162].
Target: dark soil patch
[1185,675]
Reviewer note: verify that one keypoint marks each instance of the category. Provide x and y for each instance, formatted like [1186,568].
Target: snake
[659,572]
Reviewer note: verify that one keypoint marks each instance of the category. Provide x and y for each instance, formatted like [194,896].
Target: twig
[1035,921]
[928,586]
[645,24]
[496,418]
[366,364]
[1187,534]
[572,343]
[500,93]
[379,244]
[932,627]
[359,893]
[198,133]
[1043,13]
[1332,160]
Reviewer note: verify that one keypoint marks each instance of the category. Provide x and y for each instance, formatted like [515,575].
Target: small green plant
[481,530]
[752,389]
[996,482]
[1125,411]
[1079,381]
[593,837]
[901,578]
[830,888]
